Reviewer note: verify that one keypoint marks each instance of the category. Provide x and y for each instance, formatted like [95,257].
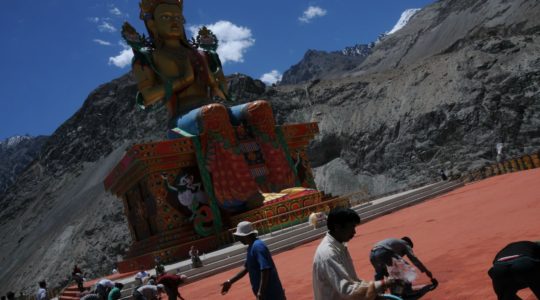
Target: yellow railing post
[535,160]
[528,162]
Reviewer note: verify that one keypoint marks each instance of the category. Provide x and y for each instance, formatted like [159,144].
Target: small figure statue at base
[160,268]
[317,219]
[443,175]
[195,259]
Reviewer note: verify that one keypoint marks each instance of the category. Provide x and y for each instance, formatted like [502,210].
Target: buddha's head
[163,19]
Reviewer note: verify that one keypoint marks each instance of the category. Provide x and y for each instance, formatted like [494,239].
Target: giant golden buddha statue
[190,81]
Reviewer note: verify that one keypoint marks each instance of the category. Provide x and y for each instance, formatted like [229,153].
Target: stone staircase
[234,255]
[70,293]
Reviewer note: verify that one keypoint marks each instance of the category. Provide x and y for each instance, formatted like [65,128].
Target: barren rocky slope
[58,213]
[462,76]
[440,93]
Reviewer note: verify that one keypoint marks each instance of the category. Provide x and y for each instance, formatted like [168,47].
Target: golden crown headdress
[148,7]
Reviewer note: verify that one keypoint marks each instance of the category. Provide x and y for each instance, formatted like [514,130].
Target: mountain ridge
[317,65]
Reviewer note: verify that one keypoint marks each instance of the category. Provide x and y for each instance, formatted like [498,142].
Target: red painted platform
[456,235]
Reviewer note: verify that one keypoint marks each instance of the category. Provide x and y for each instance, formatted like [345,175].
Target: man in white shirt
[140,276]
[148,292]
[334,276]
[383,252]
[42,291]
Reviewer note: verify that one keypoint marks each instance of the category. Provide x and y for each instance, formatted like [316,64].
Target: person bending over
[516,267]
[383,252]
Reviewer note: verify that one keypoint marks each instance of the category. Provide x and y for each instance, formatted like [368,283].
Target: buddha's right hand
[180,84]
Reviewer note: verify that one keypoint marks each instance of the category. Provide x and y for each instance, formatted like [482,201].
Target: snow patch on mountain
[357,50]
[403,20]
[14,140]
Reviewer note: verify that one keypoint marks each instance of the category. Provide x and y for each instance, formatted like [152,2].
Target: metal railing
[513,164]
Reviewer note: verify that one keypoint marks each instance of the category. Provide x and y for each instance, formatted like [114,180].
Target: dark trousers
[79,280]
[172,293]
[138,296]
[511,276]
[380,258]
[102,291]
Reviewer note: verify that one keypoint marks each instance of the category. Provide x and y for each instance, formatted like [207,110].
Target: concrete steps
[383,208]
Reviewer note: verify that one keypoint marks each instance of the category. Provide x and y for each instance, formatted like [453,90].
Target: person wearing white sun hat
[262,271]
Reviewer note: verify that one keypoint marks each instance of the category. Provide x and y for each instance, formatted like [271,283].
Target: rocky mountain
[58,214]
[15,154]
[441,92]
[243,88]
[317,65]
[460,77]
[448,26]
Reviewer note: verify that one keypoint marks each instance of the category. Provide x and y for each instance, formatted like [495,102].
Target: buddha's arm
[221,78]
[152,89]
[214,85]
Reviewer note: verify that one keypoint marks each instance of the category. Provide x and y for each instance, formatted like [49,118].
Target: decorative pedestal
[158,223]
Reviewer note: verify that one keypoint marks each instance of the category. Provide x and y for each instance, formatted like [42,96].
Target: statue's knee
[259,110]
[259,105]
[214,116]
[214,109]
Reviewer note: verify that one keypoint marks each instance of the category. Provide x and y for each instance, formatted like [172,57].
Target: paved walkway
[456,235]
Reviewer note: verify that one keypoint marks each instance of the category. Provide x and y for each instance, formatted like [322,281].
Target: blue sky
[55,52]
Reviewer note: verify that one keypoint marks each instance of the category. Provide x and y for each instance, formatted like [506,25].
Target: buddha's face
[168,21]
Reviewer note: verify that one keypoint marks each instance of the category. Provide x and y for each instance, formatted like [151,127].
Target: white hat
[244,228]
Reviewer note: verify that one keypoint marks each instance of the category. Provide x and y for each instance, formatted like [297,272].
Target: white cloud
[102,42]
[115,11]
[93,19]
[123,59]
[312,12]
[233,40]
[106,27]
[271,77]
